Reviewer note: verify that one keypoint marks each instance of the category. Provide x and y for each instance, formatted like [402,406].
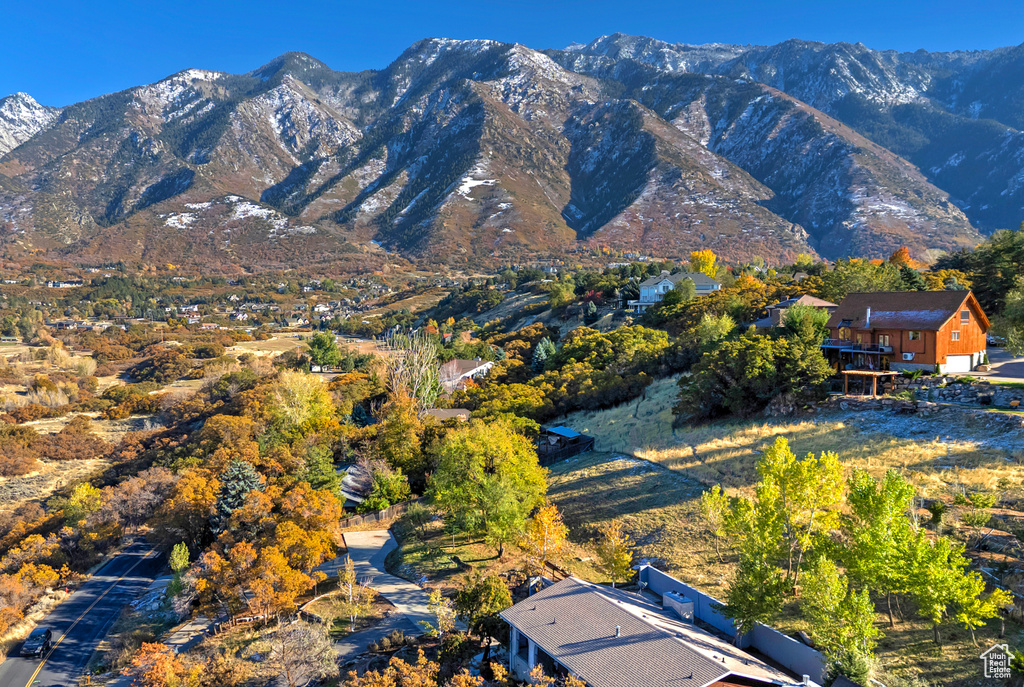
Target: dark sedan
[38,643]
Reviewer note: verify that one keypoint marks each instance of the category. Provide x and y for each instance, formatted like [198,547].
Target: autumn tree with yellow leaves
[704,261]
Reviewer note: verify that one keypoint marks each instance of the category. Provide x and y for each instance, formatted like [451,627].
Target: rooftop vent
[682,605]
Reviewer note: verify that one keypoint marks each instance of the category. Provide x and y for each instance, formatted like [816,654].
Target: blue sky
[62,51]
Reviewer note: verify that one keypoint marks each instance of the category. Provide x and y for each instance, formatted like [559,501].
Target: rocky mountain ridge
[471,152]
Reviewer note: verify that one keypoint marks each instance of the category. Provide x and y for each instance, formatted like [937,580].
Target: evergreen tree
[544,350]
[912,280]
[319,470]
[235,484]
[323,350]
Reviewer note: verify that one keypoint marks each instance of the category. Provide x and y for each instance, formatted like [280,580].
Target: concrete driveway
[368,551]
[1005,367]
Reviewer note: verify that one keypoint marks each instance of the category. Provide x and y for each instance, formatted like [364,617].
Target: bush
[937,509]
[162,366]
[980,499]
[741,377]
[207,351]
[975,518]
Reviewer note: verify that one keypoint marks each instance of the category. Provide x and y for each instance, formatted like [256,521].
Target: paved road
[1005,367]
[82,620]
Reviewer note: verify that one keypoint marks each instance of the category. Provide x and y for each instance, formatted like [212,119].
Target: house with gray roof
[614,638]
[653,289]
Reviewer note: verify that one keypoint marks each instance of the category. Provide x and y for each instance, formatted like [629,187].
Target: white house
[653,289]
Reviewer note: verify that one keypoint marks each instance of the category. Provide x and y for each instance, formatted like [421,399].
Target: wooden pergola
[863,375]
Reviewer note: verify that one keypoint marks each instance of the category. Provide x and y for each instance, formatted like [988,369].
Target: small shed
[559,443]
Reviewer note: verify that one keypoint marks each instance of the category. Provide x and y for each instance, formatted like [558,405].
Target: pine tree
[319,470]
[912,279]
[235,484]
[543,351]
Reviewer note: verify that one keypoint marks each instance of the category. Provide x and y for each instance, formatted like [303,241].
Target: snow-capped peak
[21,117]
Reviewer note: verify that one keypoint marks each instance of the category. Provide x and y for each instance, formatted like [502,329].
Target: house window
[965,316]
[883,339]
[914,336]
[956,336]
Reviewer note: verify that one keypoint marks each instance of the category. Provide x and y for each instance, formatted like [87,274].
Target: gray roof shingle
[575,621]
[698,278]
[914,310]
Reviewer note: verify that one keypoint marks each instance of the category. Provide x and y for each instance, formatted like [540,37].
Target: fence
[788,652]
[386,514]
[547,455]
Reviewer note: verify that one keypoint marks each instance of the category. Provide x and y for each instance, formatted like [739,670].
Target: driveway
[368,551]
[1005,367]
[352,645]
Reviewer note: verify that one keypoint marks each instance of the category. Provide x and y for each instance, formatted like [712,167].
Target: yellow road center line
[84,613]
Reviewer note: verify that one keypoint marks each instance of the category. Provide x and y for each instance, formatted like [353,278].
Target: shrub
[162,366]
[43,383]
[207,351]
[980,499]
[937,509]
[86,367]
[741,377]
[975,518]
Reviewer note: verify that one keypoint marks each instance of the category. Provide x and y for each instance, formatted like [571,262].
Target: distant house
[454,373]
[653,289]
[908,330]
[559,443]
[356,485]
[442,414]
[776,313]
[612,638]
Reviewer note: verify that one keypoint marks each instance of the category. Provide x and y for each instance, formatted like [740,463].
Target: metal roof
[563,432]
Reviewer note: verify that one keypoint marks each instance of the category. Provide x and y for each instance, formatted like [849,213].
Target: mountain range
[479,152]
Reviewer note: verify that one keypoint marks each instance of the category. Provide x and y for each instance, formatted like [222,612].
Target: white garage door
[958,363]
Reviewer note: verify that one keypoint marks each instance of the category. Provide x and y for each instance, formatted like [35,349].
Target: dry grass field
[939,454]
[281,343]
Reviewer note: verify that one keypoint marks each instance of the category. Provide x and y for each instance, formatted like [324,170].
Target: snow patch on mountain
[21,118]
[180,220]
[174,96]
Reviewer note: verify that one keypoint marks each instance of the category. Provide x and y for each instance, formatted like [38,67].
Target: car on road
[993,340]
[38,643]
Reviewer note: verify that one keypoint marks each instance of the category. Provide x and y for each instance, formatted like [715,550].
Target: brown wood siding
[972,338]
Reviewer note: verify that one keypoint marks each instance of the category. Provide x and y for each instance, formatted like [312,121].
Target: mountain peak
[294,63]
[21,117]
